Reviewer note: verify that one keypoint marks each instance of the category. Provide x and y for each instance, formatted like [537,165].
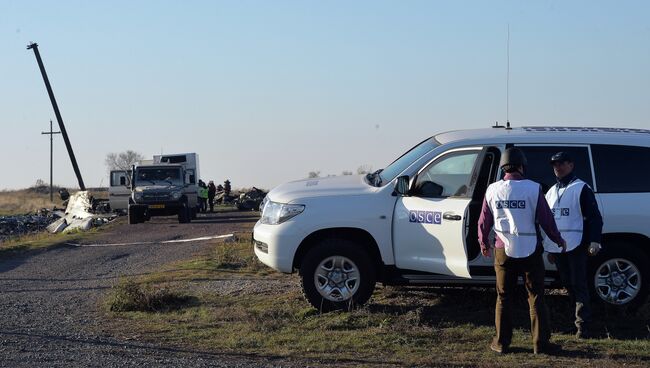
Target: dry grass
[399,327]
[20,202]
[24,201]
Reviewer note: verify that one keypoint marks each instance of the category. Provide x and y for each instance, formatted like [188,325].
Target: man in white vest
[577,216]
[516,208]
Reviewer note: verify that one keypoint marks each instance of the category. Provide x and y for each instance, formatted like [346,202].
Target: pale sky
[266,91]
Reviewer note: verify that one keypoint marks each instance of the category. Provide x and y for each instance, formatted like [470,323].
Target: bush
[129,296]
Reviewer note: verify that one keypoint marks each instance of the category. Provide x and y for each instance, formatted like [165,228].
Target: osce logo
[425,217]
[512,204]
[562,211]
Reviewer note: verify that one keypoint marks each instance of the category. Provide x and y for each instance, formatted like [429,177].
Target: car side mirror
[402,186]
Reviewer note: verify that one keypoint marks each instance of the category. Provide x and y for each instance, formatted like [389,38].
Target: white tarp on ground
[78,215]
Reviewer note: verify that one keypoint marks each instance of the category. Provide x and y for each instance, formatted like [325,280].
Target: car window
[404,161]
[611,162]
[120,178]
[539,168]
[447,176]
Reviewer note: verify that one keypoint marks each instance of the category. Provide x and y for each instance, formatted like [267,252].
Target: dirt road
[50,300]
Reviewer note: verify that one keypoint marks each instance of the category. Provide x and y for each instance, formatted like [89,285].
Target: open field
[19,202]
[236,305]
[30,200]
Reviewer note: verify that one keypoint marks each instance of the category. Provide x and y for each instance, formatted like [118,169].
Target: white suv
[415,222]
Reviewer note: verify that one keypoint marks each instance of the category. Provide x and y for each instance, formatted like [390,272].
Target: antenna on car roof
[508,81]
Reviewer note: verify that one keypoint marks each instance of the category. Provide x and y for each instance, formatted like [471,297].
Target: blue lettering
[413,216]
[425,217]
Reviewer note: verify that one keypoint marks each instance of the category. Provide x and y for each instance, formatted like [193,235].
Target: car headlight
[137,196]
[176,195]
[276,213]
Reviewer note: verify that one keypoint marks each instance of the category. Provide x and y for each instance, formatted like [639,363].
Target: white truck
[160,190]
[119,190]
[190,162]
[415,221]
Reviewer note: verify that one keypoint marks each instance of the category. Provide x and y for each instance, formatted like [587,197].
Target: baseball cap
[561,157]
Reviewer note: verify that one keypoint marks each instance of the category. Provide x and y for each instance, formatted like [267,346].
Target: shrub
[130,296]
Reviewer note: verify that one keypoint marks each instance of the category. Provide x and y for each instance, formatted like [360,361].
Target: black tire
[349,250]
[184,215]
[624,254]
[193,212]
[134,214]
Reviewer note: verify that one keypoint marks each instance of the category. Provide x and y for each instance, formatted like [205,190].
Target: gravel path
[49,300]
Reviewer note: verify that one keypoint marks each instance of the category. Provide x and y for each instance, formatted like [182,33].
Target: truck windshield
[159,175]
[391,171]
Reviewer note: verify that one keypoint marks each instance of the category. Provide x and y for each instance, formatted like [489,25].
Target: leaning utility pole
[51,133]
[34,46]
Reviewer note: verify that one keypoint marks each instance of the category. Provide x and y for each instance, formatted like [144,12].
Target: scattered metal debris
[12,226]
[250,200]
[82,213]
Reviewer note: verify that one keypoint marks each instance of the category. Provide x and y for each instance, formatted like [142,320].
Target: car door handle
[451,216]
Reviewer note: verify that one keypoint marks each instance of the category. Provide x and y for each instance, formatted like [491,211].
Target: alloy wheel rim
[337,278]
[617,281]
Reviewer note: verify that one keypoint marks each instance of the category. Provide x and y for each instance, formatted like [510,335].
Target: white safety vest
[513,204]
[565,205]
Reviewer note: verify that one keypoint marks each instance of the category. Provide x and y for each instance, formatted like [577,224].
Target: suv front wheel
[620,276]
[337,274]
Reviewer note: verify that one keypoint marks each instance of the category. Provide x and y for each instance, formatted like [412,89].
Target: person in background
[577,216]
[516,208]
[203,196]
[212,191]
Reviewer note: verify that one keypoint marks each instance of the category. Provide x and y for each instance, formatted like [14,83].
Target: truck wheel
[337,275]
[134,215]
[184,215]
[620,276]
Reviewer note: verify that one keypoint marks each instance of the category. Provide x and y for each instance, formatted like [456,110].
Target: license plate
[156,206]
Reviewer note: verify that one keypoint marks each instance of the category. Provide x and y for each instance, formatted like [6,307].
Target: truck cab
[159,190]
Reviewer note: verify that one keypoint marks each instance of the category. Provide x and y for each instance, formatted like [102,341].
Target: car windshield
[382,177]
[159,175]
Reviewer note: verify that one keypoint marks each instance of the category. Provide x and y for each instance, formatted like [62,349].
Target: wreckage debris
[250,200]
[81,213]
[12,226]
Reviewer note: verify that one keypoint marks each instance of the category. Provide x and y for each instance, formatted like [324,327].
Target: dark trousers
[203,204]
[211,202]
[508,270]
[572,267]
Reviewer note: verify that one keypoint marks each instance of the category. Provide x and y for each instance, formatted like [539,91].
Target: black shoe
[547,348]
[498,348]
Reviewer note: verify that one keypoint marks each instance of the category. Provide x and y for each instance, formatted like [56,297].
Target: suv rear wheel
[620,276]
[337,274]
